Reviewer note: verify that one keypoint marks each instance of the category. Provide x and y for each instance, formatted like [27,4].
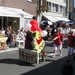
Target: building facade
[71,11]
[26,5]
[17,7]
[57,10]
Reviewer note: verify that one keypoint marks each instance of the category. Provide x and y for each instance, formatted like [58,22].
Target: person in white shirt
[2,31]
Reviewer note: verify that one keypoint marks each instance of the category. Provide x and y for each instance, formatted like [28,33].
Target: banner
[30,56]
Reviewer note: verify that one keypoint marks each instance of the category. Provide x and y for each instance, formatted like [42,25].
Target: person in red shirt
[57,42]
[71,44]
[61,36]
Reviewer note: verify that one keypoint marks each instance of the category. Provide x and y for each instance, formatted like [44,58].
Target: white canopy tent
[24,16]
[5,12]
[51,18]
[14,12]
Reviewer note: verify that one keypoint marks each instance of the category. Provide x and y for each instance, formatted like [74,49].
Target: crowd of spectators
[51,29]
[13,35]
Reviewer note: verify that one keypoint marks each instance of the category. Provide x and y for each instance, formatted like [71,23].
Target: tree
[42,6]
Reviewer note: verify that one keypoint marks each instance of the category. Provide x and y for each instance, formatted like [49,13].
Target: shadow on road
[15,61]
[53,68]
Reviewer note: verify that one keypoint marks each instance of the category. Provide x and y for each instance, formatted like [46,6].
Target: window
[61,9]
[64,1]
[56,7]
[30,0]
[53,7]
[49,5]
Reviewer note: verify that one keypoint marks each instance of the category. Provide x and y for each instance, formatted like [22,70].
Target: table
[20,41]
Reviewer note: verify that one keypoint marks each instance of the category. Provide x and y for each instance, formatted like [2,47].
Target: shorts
[70,50]
[57,47]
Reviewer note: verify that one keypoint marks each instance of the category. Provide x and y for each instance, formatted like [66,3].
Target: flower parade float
[34,50]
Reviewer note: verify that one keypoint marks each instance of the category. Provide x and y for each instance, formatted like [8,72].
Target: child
[61,36]
[71,42]
[57,43]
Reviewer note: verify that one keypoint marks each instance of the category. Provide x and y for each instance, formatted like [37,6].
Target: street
[11,65]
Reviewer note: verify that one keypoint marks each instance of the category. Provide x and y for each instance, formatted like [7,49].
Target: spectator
[22,33]
[66,30]
[2,31]
[67,69]
[8,34]
[18,35]
[54,29]
[71,43]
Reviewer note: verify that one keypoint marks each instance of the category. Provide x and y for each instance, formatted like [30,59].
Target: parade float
[3,44]
[34,50]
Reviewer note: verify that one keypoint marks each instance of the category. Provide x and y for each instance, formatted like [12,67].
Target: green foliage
[43,7]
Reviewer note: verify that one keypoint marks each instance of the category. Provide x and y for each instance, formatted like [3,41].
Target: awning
[51,18]
[61,18]
[14,12]
[5,12]
[66,19]
[20,12]
[58,18]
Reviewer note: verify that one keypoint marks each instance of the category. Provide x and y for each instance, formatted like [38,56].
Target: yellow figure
[38,42]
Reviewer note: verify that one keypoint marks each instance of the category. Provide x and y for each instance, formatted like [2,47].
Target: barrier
[30,56]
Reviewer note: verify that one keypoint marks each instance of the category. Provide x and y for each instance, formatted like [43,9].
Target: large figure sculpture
[34,38]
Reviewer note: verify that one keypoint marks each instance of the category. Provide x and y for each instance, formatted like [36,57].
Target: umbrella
[60,21]
[46,22]
[70,22]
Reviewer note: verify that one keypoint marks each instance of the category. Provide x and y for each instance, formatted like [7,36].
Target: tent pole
[2,22]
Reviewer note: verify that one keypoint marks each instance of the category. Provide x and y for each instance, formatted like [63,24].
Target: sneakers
[60,54]
[53,56]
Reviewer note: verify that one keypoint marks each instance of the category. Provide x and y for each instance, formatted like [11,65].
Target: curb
[9,49]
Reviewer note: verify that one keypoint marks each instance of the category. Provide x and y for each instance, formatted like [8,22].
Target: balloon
[34,22]
[28,26]
[44,33]
[34,28]
[39,29]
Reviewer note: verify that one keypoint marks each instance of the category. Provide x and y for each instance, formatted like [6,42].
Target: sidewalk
[9,49]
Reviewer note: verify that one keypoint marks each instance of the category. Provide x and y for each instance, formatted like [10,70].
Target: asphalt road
[11,65]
